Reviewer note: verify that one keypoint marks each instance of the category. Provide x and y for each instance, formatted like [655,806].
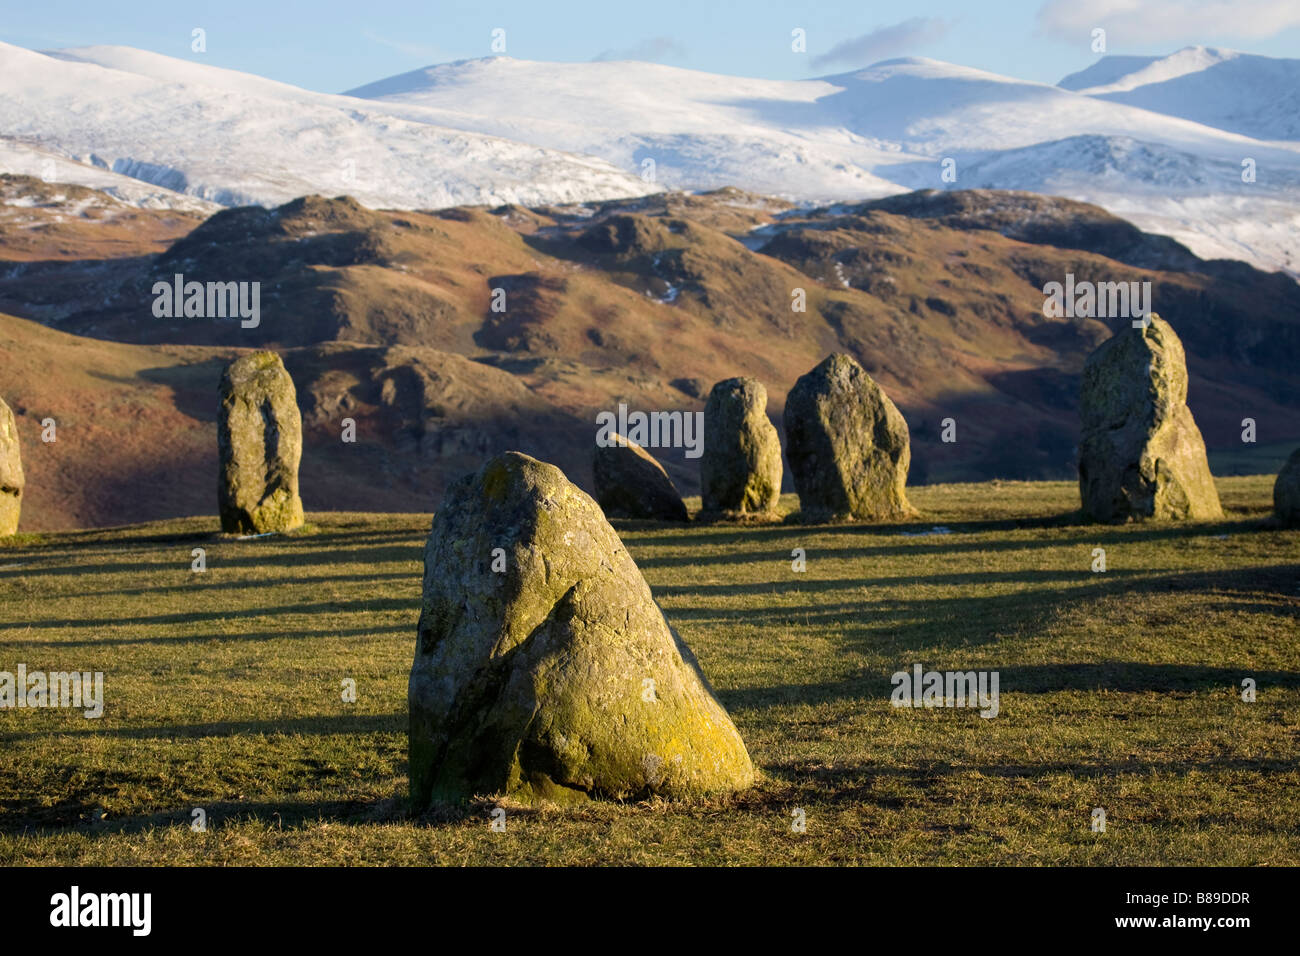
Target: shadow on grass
[326,607]
[800,584]
[981,617]
[277,551]
[324,726]
[197,585]
[940,626]
[793,782]
[79,816]
[172,640]
[797,536]
[1116,676]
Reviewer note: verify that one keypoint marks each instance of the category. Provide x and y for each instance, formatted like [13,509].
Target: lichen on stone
[533,681]
[259,443]
[1141,456]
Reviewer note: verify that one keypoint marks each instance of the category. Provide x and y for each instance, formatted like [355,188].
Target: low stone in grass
[630,483]
[1286,492]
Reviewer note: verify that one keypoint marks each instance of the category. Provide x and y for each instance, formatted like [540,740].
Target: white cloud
[655,48]
[427,51]
[1129,22]
[886,41]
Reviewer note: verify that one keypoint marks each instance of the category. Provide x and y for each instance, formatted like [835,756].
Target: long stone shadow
[279,556]
[322,726]
[202,587]
[350,607]
[71,814]
[814,783]
[928,625]
[243,637]
[817,585]
[1097,535]
[1281,580]
[1117,676]
[902,625]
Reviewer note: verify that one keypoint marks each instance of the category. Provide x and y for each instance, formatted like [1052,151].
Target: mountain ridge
[501,130]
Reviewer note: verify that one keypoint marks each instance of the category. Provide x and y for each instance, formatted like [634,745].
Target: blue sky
[332,46]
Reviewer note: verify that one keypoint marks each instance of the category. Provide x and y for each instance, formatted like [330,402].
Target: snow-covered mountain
[869,132]
[232,138]
[1257,96]
[498,129]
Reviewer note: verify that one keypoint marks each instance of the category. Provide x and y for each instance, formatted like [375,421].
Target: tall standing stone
[11,472]
[630,483]
[740,471]
[1141,455]
[848,445]
[543,667]
[1286,492]
[259,439]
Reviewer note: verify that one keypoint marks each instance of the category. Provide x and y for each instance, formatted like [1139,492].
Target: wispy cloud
[1168,21]
[885,41]
[654,48]
[427,51]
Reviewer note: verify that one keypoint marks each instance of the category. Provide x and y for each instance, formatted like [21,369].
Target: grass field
[1119,690]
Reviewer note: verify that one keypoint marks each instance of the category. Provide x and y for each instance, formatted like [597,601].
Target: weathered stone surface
[740,470]
[557,677]
[1141,455]
[630,483]
[1286,492]
[11,472]
[847,444]
[259,440]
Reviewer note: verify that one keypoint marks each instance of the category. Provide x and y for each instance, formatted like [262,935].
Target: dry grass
[1118,690]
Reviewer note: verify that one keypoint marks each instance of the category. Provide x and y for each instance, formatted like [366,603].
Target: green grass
[1118,690]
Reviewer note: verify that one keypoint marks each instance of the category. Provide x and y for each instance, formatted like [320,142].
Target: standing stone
[630,483]
[1141,455]
[259,439]
[740,471]
[1286,492]
[543,667]
[848,446]
[11,472]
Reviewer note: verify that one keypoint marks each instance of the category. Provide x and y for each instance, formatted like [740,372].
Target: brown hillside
[136,437]
[388,317]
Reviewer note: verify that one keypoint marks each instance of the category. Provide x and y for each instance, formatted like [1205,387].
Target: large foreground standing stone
[1286,491]
[740,471]
[847,444]
[259,440]
[555,677]
[1141,455]
[11,472]
[630,483]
